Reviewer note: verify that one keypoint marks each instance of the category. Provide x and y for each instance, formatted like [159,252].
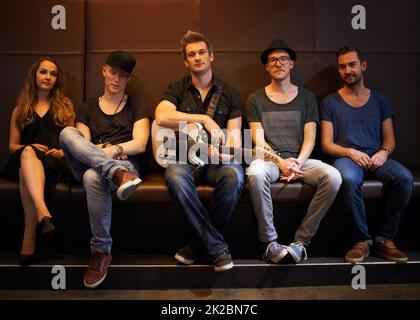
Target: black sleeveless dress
[44,131]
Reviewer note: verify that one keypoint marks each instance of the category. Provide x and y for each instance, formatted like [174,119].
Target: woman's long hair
[61,107]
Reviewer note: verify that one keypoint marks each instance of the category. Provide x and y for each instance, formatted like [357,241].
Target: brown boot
[126,181]
[97,270]
[358,253]
[387,249]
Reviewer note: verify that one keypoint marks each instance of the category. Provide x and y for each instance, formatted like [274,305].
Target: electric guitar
[189,144]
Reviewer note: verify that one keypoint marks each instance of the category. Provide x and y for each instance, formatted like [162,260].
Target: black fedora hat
[121,60]
[278,44]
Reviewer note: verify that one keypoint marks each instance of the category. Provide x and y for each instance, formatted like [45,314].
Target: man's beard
[354,82]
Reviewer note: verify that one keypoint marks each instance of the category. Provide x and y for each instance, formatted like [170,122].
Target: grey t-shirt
[283,123]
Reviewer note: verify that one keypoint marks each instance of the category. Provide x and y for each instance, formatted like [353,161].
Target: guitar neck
[254,153]
[224,149]
[232,150]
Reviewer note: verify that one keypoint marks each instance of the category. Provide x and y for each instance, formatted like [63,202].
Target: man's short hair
[347,49]
[191,37]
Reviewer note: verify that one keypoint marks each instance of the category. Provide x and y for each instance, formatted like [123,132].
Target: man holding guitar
[203,99]
[289,116]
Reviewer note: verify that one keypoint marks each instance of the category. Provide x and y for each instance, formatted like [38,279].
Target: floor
[372,292]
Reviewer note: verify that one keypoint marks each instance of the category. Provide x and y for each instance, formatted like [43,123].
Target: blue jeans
[95,170]
[399,183]
[207,226]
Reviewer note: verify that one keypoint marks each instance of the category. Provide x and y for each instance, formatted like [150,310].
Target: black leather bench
[149,222]
[153,190]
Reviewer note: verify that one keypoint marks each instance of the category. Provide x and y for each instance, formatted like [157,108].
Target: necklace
[116,109]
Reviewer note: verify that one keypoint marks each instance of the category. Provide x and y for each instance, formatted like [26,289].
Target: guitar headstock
[267,154]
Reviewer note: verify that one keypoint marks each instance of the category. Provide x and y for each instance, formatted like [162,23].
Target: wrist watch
[120,150]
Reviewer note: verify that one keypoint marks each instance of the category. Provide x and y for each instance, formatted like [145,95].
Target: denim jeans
[399,185]
[94,170]
[207,226]
[323,177]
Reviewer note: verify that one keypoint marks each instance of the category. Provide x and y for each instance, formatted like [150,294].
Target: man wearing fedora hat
[288,115]
[111,131]
[189,100]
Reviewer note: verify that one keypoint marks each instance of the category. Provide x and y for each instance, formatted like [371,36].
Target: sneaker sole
[127,189]
[224,267]
[387,257]
[277,259]
[94,285]
[354,261]
[183,259]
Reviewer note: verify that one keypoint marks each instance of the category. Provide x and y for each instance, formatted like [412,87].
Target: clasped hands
[366,162]
[55,153]
[290,169]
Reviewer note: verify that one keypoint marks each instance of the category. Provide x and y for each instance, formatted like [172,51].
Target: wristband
[120,150]
[387,150]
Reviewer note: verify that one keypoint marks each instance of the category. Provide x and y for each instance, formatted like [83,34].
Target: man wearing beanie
[111,131]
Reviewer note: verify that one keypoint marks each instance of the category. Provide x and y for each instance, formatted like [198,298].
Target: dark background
[239,30]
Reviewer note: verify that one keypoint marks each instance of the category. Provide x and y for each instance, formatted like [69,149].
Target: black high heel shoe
[26,259]
[46,225]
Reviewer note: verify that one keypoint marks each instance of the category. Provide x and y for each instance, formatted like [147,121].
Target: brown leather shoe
[358,253]
[97,270]
[126,181]
[387,249]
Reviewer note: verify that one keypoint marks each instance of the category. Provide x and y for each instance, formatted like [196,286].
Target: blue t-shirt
[357,128]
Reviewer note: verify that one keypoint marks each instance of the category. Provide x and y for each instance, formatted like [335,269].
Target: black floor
[163,273]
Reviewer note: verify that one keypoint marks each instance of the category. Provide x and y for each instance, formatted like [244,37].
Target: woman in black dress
[42,111]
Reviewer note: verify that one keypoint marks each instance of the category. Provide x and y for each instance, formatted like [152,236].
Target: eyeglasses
[281,60]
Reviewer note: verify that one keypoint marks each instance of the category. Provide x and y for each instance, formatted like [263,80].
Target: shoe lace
[121,176]
[222,257]
[302,250]
[389,244]
[187,252]
[97,261]
[270,248]
[363,245]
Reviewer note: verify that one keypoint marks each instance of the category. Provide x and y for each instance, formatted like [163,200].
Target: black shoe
[46,225]
[26,259]
[186,255]
[223,262]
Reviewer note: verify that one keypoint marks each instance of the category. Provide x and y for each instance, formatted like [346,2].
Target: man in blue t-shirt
[357,131]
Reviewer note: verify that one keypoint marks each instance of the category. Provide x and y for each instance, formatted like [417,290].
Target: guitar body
[189,144]
[178,145]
